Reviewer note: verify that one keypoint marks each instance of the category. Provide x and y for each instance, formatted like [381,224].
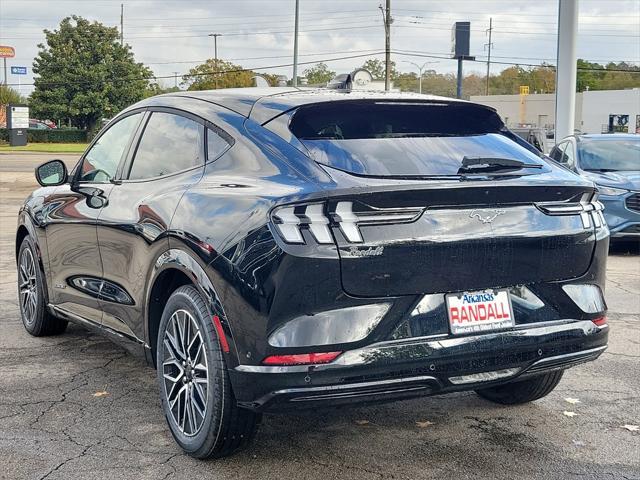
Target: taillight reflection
[301,359]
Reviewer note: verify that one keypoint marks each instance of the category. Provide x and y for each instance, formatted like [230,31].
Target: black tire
[225,428]
[523,391]
[36,318]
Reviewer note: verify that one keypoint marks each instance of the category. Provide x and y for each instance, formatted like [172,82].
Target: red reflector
[301,359]
[600,321]
[221,336]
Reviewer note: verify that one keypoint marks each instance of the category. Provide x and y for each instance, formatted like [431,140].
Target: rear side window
[404,138]
[170,143]
[217,143]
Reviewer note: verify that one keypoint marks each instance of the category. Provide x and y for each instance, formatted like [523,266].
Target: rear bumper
[403,369]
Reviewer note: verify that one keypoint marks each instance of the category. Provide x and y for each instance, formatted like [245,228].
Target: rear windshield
[610,154]
[405,139]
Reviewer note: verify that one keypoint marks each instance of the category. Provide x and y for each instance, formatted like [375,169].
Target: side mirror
[52,173]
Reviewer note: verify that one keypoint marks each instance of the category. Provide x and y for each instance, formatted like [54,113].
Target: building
[597,111]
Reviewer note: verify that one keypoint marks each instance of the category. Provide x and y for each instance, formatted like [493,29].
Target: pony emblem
[487,218]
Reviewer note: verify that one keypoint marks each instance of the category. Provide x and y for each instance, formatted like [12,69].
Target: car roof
[607,136]
[264,103]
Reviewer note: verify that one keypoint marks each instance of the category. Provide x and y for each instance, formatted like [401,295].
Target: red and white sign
[472,312]
[7,51]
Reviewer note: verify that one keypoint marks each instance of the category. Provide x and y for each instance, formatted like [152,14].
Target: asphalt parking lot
[77,406]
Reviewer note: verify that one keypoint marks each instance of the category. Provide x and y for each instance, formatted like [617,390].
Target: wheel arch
[173,269]
[21,233]
[26,227]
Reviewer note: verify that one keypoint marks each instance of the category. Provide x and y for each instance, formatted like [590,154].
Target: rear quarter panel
[222,222]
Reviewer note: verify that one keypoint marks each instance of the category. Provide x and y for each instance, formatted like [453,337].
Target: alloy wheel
[28,288]
[185,372]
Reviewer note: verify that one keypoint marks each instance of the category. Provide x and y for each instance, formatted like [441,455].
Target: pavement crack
[63,463]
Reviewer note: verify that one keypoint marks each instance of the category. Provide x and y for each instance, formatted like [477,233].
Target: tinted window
[170,143]
[404,139]
[101,162]
[610,154]
[355,120]
[556,153]
[216,145]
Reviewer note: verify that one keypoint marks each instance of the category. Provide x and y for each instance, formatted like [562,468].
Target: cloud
[171,35]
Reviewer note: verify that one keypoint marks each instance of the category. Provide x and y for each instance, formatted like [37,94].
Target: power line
[538,65]
[221,72]
[349,57]
[232,34]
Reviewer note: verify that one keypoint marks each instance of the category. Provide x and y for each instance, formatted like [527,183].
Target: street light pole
[294,81]
[420,69]
[215,58]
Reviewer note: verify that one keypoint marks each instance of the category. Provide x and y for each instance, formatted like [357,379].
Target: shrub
[54,135]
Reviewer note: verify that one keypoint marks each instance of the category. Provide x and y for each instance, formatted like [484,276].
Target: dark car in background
[275,249]
[41,124]
[612,162]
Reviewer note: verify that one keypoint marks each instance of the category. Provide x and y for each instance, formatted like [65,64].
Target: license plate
[472,312]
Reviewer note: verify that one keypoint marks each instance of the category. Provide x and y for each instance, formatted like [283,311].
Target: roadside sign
[17,116]
[7,51]
[18,70]
[17,124]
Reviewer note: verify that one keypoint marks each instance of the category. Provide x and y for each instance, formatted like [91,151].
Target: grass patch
[46,148]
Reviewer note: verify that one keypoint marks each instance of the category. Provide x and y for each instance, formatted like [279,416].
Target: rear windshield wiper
[491,164]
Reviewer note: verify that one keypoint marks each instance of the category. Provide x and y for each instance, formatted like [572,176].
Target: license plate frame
[479,311]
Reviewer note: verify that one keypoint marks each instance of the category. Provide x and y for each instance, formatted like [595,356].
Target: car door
[133,227]
[70,218]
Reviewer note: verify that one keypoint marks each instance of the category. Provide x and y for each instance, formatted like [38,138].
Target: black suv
[273,249]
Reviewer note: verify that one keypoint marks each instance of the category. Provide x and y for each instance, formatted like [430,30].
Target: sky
[172,35]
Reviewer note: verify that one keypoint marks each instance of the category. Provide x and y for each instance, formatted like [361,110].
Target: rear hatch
[438,197]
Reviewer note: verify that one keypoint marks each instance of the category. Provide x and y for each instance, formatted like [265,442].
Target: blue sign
[18,70]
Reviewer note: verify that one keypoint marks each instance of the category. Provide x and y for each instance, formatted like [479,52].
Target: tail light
[291,220]
[600,321]
[301,359]
[588,208]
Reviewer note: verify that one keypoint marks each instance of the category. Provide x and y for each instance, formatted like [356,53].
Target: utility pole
[215,57]
[121,24]
[489,45]
[566,71]
[294,80]
[175,78]
[386,18]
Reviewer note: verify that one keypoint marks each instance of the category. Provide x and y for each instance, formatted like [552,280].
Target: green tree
[319,74]
[227,74]
[84,74]
[154,88]
[439,84]
[10,95]
[376,68]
